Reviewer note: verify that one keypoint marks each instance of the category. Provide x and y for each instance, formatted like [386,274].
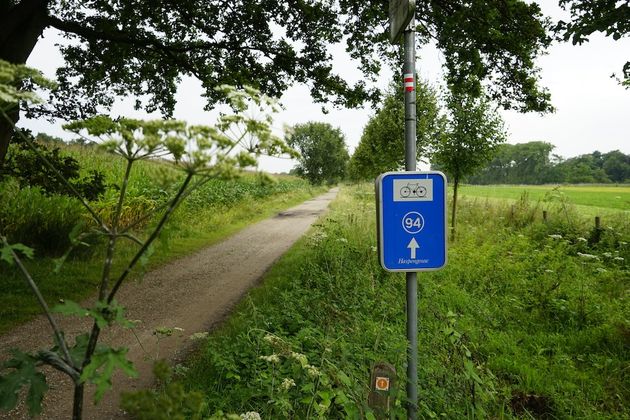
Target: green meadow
[600,196]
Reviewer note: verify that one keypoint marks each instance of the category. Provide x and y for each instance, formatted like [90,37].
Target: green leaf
[114,313]
[471,372]
[7,255]
[344,378]
[101,369]
[23,372]
[78,351]
[10,386]
[325,395]
[28,252]
[36,393]
[341,397]
[103,314]
[70,308]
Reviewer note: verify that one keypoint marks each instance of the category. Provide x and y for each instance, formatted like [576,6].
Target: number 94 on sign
[413,222]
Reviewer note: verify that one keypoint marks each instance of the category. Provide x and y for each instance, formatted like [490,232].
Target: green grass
[519,323]
[605,197]
[210,213]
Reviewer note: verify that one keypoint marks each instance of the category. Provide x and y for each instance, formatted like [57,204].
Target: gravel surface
[193,293]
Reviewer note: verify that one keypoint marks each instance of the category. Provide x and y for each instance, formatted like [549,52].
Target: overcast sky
[593,110]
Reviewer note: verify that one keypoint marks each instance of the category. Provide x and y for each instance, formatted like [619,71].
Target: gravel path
[193,293]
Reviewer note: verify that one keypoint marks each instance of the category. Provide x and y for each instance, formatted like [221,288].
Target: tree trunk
[20,28]
[454,209]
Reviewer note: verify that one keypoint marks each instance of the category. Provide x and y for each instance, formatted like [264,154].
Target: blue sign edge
[379,220]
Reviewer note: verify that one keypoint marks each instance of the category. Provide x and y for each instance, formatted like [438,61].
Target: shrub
[26,165]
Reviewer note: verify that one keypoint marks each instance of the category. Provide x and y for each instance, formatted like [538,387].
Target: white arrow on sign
[413,245]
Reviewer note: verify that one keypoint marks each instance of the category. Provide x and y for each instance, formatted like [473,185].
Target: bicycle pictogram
[413,190]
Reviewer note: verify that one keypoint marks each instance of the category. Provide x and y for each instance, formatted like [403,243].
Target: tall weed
[41,221]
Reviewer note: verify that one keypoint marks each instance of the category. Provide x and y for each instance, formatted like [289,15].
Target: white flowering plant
[295,385]
[201,152]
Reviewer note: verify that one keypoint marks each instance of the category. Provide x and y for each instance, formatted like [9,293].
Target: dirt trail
[193,293]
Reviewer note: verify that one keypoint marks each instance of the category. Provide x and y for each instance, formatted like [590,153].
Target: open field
[601,196]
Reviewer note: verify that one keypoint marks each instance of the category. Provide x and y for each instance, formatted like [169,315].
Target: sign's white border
[379,219]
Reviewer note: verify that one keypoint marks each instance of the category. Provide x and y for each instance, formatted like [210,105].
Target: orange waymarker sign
[382,384]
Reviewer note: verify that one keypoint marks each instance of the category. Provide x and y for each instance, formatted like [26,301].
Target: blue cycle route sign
[411,220]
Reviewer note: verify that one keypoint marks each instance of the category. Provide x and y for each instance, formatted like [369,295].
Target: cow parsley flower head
[273,358]
[312,371]
[300,358]
[272,339]
[588,256]
[287,383]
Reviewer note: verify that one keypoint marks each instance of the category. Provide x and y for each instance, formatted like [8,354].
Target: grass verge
[529,319]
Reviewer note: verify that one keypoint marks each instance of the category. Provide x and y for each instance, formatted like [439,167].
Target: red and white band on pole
[408,82]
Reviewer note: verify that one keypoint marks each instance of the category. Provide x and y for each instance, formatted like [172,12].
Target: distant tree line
[534,163]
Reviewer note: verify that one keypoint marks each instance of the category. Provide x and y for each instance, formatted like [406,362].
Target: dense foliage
[119,49]
[473,132]
[612,18]
[382,144]
[534,163]
[323,152]
[28,168]
[528,319]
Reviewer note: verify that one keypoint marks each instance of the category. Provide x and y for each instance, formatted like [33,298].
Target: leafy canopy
[610,17]
[490,41]
[382,145]
[17,83]
[534,163]
[323,153]
[118,48]
[473,133]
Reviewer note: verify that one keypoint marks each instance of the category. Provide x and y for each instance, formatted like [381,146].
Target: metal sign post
[411,230]
[399,234]
[409,72]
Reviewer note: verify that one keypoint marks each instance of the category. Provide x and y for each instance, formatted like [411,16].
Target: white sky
[593,110]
